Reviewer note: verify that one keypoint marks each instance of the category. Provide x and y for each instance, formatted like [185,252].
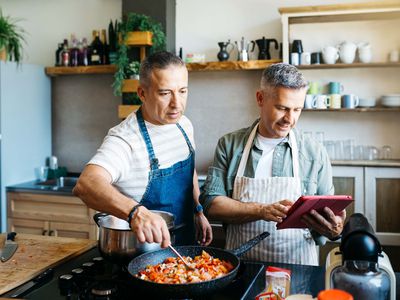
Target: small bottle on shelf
[106,48]
[74,52]
[65,57]
[58,55]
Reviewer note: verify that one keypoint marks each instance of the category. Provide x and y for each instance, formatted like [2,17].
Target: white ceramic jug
[364,52]
[330,54]
[347,52]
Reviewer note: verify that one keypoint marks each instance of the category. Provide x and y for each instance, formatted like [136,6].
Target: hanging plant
[135,22]
[11,38]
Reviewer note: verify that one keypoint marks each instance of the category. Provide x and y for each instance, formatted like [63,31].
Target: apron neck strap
[249,143]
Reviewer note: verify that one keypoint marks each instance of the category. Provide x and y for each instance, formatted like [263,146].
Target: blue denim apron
[171,189]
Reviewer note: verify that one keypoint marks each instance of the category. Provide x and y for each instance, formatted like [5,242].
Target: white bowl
[367,102]
[392,100]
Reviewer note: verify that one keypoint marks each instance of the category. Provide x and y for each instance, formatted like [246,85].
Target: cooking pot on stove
[119,244]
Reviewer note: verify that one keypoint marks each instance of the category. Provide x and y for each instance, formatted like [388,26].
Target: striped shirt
[124,154]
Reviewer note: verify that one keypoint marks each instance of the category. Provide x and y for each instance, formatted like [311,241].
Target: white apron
[286,245]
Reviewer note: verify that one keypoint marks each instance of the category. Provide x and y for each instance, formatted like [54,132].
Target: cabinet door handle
[44,232]
[51,232]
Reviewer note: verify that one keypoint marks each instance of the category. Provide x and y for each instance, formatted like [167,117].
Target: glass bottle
[58,54]
[96,55]
[74,53]
[106,48]
[65,58]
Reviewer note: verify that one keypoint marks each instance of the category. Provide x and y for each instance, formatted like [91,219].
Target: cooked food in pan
[173,271]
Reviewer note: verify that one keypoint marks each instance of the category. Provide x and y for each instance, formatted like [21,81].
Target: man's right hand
[276,211]
[150,227]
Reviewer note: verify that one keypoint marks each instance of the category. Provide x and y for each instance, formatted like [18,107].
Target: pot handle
[177,228]
[250,244]
[97,217]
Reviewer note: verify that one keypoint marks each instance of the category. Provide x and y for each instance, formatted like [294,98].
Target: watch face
[199,208]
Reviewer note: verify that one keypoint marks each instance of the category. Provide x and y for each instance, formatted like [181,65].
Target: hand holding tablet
[306,203]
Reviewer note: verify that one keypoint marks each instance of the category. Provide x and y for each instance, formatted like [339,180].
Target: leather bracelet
[132,212]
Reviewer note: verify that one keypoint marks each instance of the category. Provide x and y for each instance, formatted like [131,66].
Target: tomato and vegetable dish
[173,271]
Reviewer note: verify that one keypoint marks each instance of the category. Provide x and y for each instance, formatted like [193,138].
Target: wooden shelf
[349,66]
[125,110]
[231,65]
[102,69]
[130,85]
[358,109]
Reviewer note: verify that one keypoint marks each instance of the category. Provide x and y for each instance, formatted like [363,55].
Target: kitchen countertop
[368,163]
[34,187]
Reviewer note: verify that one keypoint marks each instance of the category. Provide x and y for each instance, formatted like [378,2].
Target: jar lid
[334,294]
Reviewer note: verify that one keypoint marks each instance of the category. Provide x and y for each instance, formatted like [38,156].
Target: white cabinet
[376,194]
[382,203]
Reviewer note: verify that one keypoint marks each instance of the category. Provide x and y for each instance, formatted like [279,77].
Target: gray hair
[157,60]
[282,75]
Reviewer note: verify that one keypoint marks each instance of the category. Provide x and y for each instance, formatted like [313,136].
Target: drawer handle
[44,232]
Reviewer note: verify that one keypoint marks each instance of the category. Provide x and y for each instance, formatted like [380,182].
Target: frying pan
[195,289]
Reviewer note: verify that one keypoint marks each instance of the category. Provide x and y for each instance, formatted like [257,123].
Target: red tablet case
[305,203]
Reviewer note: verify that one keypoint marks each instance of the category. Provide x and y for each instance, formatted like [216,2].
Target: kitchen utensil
[392,100]
[41,279]
[360,268]
[315,58]
[330,54]
[244,49]
[386,152]
[190,290]
[297,46]
[118,243]
[223,53]
[41,173]
[347,52]
[181,258]
[10,246]
[263,46]
[350,101]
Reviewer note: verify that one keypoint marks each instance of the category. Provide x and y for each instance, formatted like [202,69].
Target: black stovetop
[97,279]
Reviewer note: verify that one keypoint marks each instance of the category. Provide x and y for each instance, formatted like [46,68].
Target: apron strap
[154,164]
[186,138]
[249,143]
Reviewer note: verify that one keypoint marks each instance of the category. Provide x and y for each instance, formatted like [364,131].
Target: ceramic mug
[315,58]
[305,58]
[350,101]
[314,88]
[335,87]
[308,102]
[321,102]
[330,54]
[335,101]
[295,58]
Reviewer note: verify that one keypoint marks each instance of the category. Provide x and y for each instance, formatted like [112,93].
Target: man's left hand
[204,233]
[329,224]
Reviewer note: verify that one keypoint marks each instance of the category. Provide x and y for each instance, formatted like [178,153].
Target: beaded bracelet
[131,213]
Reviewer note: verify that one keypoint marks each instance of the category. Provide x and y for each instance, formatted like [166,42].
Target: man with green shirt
[259,171]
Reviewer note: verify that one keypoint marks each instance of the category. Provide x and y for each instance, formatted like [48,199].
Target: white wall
[48,22]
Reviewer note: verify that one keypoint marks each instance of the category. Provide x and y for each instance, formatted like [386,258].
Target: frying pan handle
[250,244]
[97,217]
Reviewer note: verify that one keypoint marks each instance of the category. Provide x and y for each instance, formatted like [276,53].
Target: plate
[392,100]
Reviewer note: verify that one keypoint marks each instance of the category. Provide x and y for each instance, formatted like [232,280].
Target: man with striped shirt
[147,161]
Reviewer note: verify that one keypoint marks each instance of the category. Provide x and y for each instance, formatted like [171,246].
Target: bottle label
[95,58]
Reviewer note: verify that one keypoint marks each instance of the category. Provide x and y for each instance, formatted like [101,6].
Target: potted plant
[134,22]
[11,38]
[132,70]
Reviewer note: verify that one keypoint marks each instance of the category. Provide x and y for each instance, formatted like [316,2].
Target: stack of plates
[392,100]
[367,102]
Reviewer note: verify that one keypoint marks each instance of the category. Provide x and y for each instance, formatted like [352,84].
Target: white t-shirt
[124,154]
[267,145]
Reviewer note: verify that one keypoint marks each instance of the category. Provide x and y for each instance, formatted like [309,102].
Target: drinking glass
[386,152]
[372,153]
[41,173]
[348,149]
[339,150]
[319,136]
[330,149]
[307,135]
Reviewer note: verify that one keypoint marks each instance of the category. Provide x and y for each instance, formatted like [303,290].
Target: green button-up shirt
[315,169]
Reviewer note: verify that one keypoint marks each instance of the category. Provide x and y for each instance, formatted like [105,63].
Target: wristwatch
[198,208]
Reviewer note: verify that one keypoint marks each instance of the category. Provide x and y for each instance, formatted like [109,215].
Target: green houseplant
[134,22]
[11,38]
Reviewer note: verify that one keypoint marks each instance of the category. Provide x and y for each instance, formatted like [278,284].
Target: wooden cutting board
[35,254]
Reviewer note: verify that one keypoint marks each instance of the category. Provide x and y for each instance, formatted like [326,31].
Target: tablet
[304,204]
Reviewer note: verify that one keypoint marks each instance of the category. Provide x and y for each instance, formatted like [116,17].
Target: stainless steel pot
[119,244]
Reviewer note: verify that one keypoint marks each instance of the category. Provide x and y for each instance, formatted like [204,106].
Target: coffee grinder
[359,266]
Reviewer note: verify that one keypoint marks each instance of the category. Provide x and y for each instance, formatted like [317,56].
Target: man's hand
[150,227]
[204,233]
[330,225]
[277,211]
